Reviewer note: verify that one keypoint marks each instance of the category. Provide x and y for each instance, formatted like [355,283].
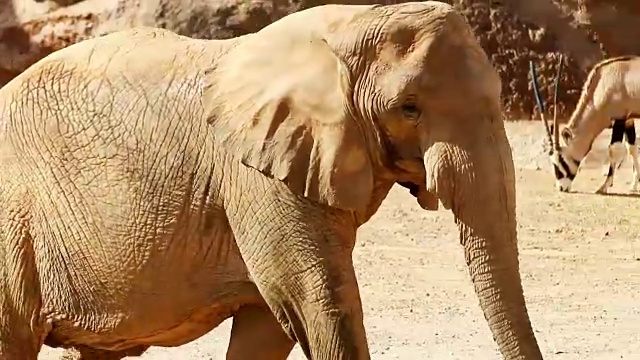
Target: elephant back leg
[22,331]
[88,353]
[257,335]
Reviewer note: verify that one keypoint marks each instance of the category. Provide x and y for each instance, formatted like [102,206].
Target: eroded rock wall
[512,32]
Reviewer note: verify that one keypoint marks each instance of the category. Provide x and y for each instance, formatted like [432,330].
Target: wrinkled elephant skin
[153,185]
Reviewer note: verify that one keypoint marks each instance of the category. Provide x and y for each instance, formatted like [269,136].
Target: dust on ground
[580,261]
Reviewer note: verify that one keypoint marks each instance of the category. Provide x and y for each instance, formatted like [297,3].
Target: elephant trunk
[493,265]
[476,181]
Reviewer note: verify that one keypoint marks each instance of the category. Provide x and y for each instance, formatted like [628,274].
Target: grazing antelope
[610,97]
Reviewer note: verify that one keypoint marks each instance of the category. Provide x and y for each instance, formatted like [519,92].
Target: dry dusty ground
[580,259]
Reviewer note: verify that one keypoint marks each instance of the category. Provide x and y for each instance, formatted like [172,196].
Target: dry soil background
[580,260]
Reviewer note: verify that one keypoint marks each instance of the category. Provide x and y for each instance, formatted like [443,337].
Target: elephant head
[340,102]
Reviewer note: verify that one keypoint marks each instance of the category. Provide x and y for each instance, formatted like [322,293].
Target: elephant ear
[282,106]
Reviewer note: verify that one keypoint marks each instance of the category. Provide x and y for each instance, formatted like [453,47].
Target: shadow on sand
[614,194]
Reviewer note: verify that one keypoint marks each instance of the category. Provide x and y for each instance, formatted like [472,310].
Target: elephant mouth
[409,170]
[414,188]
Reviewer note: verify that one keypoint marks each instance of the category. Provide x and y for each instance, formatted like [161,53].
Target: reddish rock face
[512,32]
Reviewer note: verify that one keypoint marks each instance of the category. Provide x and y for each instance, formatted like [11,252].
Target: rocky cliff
[511,31]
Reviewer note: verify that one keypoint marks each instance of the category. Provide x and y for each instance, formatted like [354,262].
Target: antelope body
[610,97]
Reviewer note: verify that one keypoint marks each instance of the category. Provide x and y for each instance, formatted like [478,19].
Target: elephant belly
[159,323]
[182,291]
[135,248]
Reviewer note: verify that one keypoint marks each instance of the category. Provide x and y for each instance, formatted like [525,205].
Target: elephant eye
[411,111]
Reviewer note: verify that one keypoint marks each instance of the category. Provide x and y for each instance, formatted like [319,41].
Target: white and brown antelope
[610,98]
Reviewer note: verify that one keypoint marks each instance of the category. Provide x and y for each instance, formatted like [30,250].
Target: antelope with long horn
[610,98]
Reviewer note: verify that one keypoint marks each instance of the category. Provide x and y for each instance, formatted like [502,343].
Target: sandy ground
[580,260]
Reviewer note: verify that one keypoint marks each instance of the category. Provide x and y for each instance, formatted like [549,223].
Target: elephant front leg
[257,335]
[299,255]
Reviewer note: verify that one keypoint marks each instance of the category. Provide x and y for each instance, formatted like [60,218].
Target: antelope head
[564,168]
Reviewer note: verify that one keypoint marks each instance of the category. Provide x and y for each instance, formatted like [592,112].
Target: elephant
[154,185]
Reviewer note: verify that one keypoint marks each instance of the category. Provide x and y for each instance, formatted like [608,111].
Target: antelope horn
[556,131]
[536,91]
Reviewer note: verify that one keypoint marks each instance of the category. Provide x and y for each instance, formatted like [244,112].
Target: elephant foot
[88,353]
